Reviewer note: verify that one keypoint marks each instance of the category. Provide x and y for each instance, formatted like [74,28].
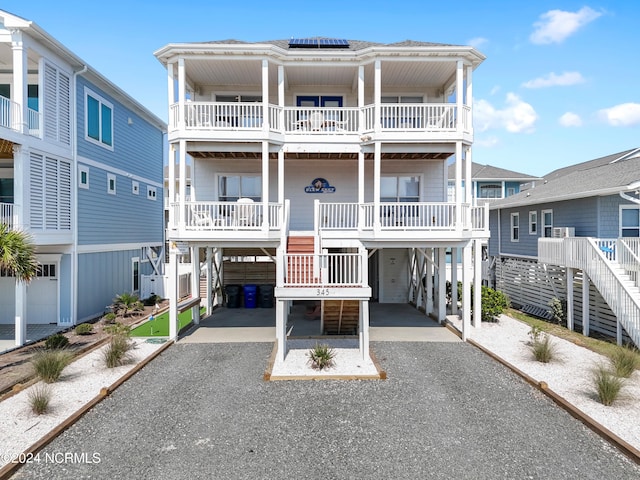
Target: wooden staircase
[300,269]
[340,317]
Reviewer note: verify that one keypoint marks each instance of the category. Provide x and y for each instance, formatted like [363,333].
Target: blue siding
[102,276]
[66,284]
[514,185]
[137,149]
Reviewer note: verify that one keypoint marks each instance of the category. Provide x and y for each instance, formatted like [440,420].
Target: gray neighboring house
[574,237]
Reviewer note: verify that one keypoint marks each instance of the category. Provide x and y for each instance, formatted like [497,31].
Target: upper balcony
[220,121]
[11,118]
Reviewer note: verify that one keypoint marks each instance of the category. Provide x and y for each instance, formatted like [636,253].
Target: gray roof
[601,176]
[354,45]
[488,172]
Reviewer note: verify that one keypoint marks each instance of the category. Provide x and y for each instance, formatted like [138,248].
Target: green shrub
[608,386]
[117,352]
[494,302]
[625,360]
[49,364]
[126,303]
[118,329]
[321,356]
[84,329]
[39,398]
[151,300]
[56,341]
[558,310]
[109,318]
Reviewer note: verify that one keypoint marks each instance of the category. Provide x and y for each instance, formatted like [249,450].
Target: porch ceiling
[6,148]
[322,156]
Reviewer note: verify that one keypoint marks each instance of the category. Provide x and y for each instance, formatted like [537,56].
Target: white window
[511,191]
[547,223]
[490,190]
[135,187]
[629,221]
[98,119]
[83,176]
[533,223]
[233,187]
[151,192]
[515,227]
[111,183]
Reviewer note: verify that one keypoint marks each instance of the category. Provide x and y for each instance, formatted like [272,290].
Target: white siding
[394,276]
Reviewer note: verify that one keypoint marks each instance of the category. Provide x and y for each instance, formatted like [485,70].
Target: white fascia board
[118,171]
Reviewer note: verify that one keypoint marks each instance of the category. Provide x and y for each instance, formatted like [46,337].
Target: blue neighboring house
[81,172]
[575,237]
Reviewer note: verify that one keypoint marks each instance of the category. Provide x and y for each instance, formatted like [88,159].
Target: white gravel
[569,375]
[347,361]
[79,383]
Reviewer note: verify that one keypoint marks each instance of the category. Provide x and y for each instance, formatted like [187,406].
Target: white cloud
[552,80]
[477,42]
[516,117]
[623,115]
[487,142]
[555,26]
[495,90]
[570,119]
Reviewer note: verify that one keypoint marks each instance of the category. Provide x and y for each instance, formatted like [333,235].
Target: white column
[477,283]
[377,154]
[570,298]
[19,86]
[469,99]
[466,292]
[21,313]
[364,329]
[265,186]
[468,181]
[181,93]
[442,284]
[459,94]
[173,294]
[265,95]
[171,187]
[182,184]
[281,127]
[195,283]
[454,280]
[361,211]
[281,177]
[281,325]
[171,93]
[585,303]
[458,183]
[377,95]
[209,297]
[361,98]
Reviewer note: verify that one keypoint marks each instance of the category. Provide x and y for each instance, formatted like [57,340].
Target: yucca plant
[321,356]
[624,361]
[607,385]
[49,364]
[39,398]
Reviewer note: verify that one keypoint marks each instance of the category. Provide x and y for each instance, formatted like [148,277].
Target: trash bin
[265,296]
[250,296]
[233,296]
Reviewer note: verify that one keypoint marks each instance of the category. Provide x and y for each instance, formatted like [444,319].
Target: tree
[17,254]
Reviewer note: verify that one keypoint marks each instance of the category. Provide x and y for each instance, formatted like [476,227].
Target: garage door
[42,296]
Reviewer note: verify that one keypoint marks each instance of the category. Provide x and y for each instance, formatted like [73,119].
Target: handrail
[6,215]
[218,216]
[326,270]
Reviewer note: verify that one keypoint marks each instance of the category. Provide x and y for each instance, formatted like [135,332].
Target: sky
[559,85]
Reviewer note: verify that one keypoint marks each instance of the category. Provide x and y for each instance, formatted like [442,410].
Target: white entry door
[42,296]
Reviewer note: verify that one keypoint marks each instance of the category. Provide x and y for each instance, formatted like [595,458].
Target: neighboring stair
[340,317]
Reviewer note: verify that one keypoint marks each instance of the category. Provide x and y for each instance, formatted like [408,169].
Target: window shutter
[36,197]
[64,184]
[64,111]
[50,103]
[51,194]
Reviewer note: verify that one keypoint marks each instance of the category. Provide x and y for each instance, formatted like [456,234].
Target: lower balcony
[6,215]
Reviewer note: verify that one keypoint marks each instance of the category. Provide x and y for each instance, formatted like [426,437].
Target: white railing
[314,120]
[324,270]
[10,114]
[399,216]
[6,215]
[220,216]
[628,257]
[419,117]
[594,258]
[34,122]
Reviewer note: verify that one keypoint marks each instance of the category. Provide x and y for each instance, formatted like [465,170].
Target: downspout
[74,193]
[630,198]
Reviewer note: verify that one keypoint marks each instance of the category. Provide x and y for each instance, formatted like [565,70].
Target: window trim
[135,274]
[83,169]
[110,177]
[135,187]
[545,226]
[515,227]
[101,102]
[397,178]
[531,222]
[620,226]
[236,174]
[151,193]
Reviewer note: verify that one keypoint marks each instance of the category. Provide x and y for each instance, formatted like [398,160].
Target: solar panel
[318,43]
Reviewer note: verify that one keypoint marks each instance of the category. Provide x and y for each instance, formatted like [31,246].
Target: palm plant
[17,254]
[126,303]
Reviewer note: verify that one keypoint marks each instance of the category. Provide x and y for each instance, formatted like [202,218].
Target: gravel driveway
[446,411]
